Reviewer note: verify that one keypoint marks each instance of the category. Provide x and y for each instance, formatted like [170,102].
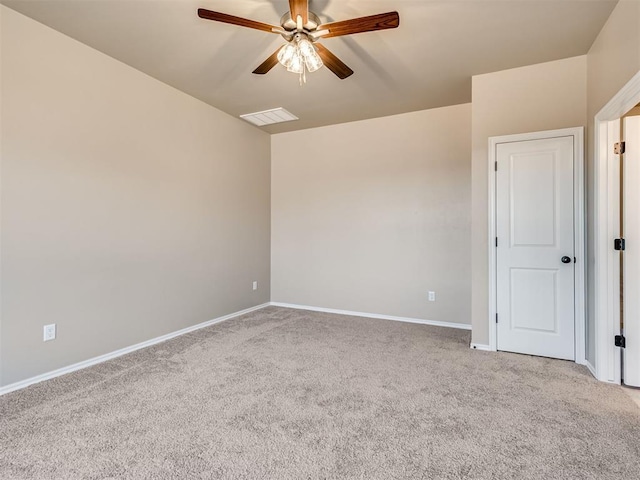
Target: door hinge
[619,341]
[496,241]
[619,244]
[619,148]
[496,318]
[495,166]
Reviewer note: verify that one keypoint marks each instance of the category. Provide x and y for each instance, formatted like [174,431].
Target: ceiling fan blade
[333,63]
[233,20]
[382,21]
[299,7]
[268,64]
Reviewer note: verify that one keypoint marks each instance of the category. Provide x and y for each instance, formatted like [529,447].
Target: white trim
[493,275]
[579,228]
[123,351]
[606,197]
[590,367]
[481,346]
[435,323]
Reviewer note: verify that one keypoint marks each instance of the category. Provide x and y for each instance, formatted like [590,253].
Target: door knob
[566,259]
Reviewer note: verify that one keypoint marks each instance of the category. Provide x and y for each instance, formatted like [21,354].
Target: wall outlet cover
[49,332]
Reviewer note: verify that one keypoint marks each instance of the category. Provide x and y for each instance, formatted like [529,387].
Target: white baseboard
[435,323]
[481,346]
[123,351]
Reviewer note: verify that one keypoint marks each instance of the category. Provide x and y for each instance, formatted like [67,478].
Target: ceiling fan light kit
[300,56]
[302,29]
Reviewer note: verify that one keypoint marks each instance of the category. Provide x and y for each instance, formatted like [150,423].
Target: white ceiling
[427,62]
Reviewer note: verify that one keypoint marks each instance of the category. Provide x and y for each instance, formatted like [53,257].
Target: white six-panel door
[535,269]
[631,255]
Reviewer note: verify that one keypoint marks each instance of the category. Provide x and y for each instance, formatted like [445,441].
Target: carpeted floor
[288,394]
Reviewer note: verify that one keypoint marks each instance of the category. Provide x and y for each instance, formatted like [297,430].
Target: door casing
[579,227]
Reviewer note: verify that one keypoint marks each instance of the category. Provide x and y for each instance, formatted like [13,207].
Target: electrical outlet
[255,285]
[49,332]
[432,296]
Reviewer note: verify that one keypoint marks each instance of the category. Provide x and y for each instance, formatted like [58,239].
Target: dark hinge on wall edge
[496,241]
[496,166]
[496,318]
[619,148]
[619,341]
[619,244]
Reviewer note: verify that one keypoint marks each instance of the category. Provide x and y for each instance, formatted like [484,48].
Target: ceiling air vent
[269,117]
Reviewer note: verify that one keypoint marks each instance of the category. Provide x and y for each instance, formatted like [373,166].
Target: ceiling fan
[302,29]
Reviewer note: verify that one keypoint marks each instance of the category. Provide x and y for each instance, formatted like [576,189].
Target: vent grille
[269,117]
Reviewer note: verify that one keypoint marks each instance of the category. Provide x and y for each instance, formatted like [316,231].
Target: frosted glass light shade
[313,62]
[287,54]
[297,64]
[306,48]
[298,55]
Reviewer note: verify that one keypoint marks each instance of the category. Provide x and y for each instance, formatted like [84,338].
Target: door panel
[533,199]
[535,228]
[631,255]
[537,311]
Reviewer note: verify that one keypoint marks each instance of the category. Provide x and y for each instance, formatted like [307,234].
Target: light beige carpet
[286,394]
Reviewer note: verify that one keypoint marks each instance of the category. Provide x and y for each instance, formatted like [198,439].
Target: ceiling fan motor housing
[290,24]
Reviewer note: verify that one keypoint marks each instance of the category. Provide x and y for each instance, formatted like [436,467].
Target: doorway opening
[611,286]
[629,158]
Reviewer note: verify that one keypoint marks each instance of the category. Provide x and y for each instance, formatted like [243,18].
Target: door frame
[579,231]
[606,365]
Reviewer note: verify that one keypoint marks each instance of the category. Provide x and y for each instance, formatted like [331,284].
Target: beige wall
[614,58]
[369,216]
[129,209]
[539,97]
